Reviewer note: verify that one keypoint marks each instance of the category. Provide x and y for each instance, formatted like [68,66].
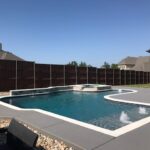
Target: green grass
[140,85]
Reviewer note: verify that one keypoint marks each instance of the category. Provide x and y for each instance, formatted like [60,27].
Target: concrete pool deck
[142,96]
[84,138]
[76,136]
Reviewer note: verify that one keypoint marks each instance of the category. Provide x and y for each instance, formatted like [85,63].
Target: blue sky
[59,31]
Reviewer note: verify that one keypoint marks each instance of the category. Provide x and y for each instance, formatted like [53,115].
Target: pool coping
[114,133]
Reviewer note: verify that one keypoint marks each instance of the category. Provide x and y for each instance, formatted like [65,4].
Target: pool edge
[114,133]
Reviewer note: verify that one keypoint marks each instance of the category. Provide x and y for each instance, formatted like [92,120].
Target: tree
[114,66]
[106,65]
[82,64]
[73,63]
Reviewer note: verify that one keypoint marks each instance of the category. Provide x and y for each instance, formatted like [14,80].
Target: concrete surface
[84,138]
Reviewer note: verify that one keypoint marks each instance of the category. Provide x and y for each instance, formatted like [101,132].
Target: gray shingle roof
[5,55]
[128,61]
[142,64]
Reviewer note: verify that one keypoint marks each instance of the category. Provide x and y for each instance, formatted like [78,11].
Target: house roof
[128,61]
[148,51]
[142,64]
[5,55]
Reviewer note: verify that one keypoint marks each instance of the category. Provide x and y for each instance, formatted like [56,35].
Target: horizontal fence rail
[25,75]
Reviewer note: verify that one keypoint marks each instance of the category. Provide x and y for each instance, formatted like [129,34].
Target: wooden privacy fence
[25,75]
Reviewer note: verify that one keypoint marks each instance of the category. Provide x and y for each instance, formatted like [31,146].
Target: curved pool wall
[114,133]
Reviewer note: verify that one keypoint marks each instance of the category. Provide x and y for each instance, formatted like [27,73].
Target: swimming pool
[87,107]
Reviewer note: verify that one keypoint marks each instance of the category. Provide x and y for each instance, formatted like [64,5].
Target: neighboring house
[127,63]
[5,55]
[141,63]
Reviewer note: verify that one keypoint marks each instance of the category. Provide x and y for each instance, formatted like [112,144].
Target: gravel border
[43,141]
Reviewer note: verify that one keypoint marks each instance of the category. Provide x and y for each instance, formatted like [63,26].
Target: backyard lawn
[140,85]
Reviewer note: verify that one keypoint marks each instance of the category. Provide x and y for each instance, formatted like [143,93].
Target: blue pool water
[87,107]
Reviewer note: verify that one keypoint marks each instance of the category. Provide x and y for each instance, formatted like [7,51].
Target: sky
[60,31]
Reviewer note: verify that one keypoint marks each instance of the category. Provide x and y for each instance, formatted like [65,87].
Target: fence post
[16,76]
[130,76]
[64,76]
[120,76]
[96,77]
[139,76]
[50,76]
[34,73]
[135,77]
[76,70]
[113,77]
[87,75]
[105,76]
[143,77]
[147,77]
[125,77]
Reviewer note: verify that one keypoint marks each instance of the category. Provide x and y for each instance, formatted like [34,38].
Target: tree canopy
[81,64]
[84,64]
[73,63]
[114,66]
[107,65]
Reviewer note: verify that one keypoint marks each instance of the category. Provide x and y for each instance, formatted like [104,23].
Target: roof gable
[128,61]
[5,55]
